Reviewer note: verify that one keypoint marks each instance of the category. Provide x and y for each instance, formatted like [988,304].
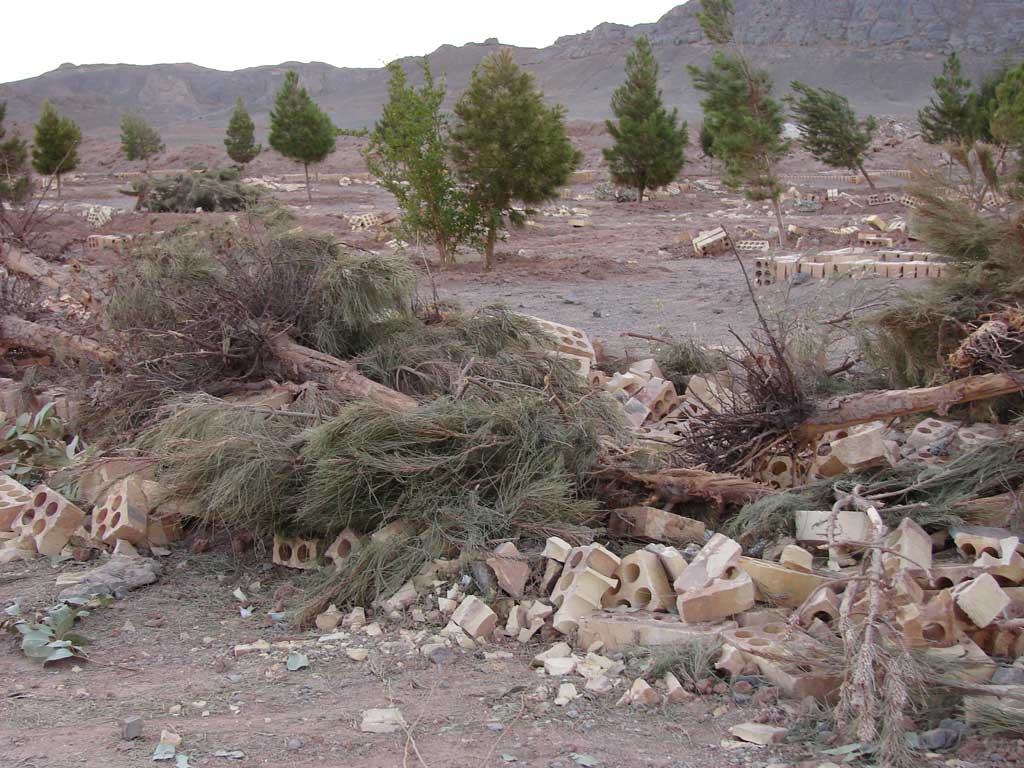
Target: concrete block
[864,450]
[344,545]
[938,621]
[658,396]
[163,528]
[711,242]
[654,524]
[718,559]
[718,600]
[769,647]
[647,368]
[14,498]
[779,585]
[49,522]
[797,558]
[823,606]
[1008,568]
[930,431]
[475,617]
[96,482]
[735,663]
[974,541]
[124,514]
[643,584]
[981,599]
[552,572]
[295,553]
[778,472]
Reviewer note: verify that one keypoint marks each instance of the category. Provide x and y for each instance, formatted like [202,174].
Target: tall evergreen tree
[55,148]
[508,144]
[649,143]
[240,140]
[14,181]
[1008,112]
[829,128]
[740,113]
[408,152]
[139,140]
[299,129]
[948,116]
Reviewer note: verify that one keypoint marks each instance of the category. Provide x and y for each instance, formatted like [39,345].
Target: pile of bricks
[129,510]
[854,261]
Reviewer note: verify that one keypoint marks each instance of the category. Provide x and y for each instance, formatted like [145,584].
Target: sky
[228,35]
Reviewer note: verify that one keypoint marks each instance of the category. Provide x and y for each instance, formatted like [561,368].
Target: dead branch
[15,331]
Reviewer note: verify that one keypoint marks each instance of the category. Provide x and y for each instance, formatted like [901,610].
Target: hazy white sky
[234,35]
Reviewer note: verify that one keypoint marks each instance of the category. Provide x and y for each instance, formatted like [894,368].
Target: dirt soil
[165,654]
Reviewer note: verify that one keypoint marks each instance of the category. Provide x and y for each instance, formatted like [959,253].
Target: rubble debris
[385,720]
[118,576]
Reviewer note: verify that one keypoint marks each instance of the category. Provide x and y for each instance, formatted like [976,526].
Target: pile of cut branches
[217,190]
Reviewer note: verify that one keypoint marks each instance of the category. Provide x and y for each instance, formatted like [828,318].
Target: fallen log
[681,485]
[863,407]
[17,332]
[305,364]
[57,278]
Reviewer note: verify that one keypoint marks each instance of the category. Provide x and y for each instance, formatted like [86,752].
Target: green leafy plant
[52,637]
[34,445]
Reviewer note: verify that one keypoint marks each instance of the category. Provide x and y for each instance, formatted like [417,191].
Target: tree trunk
[867,178]
[878,405]
[52,276]
[778,220]
[442,252]
[58,186]
[489,248]
[309,193]
[16,332]
[305,364]
[640,194]
[681,485]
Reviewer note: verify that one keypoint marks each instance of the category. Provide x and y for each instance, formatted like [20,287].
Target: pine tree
[408,152]
[648,149]
[299,129]
[740,113]
[55,149]
[707,145]
[240,140]
[1008,113]
[139,140]
[829,128]
[508,144]
[948,114]
[14,181]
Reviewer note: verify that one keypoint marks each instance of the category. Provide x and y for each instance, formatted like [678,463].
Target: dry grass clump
[690,662]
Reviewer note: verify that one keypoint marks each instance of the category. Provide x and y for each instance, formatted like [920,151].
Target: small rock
[386,720]
[495,727]
[441,655]
[131,728]
[294,744]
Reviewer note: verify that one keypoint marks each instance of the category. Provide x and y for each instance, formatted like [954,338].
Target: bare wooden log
[58,278]
[305,364]
[15,331]
[875,405]
[997,511]
[681,485]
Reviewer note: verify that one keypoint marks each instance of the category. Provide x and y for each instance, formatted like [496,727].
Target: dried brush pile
[217,190]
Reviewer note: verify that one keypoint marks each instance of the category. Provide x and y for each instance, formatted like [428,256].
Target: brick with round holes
[122,515]
[49,521]
[14,498]
[295,553]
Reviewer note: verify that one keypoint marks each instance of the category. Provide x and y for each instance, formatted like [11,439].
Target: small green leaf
[23,420]
[59,653]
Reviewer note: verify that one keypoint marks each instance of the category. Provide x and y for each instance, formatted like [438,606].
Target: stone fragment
[640,694]
[779,585]
[910,547]
[867,449]
[475,617]
[566,692]
[402,599]
[560,667]
[674,690]
[671,558]
[556,549]
[759,733]
[387,720]
[329,620]
[131,728]
[510,569]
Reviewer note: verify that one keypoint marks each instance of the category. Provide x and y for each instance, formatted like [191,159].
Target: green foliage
[508,144]
[717,19]
[34,446]
[683,359]
[649,143]
[14,181]
[139,140]
[1008,114]
[829,128]
[55,149]
[53,637]
[217,190]
[948,114]
[299,129]
[408,152]
[358,133]
[746,123]
[240,140]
